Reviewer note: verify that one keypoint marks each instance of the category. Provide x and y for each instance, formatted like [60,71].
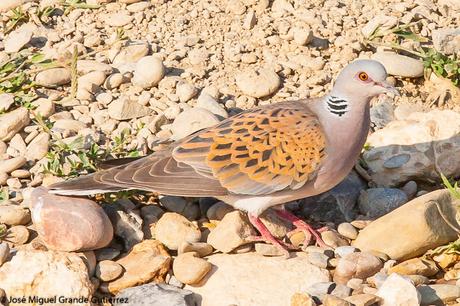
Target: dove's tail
[85,185]
[90,184]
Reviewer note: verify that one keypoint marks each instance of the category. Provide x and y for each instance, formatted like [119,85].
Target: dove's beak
[388,88]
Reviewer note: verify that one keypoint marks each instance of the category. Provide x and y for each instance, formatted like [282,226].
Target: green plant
[45,13]
[4,194]
[18,16]
[434,61]
[77,4]
[453,189]
[73,73]
[3,230]
[444,66]
[15,74]
[79,159]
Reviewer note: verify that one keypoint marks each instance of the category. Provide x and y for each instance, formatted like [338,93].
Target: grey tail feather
[85,185]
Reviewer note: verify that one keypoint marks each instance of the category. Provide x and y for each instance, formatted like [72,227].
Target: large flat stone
[252,280]
[413,228]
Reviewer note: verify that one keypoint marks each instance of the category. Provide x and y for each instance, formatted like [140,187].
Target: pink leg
[266,235]
[301,225]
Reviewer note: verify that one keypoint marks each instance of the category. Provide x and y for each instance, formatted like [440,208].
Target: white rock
[207,102]
[258,83]
[118,19]
[45,107]
[17,146]
[250,20]
[201,248]
[91,81]
[156,294]
[123,109]
[14,215]
[13,122]
[3,178]
[403,150]
[131,53]
[17,39]
[108,270]
[228,282]
[189,269]
[68,125]
[302,36]
[86,66]
[8,165]
[4,253]
[17,235]
[137,7]
[398,290]
[148,261]
[447,40]
[381,22]
[6,5]
[113,81]
[173,229]
[53,77]
[281,6]
[6,100]
[356,265]
[342,251]
[454,4]
[149,71]
[400,65]
[233,231]
[185,91]
[347,230]
[172,112]
[42,274]
[38,148]
[192,120]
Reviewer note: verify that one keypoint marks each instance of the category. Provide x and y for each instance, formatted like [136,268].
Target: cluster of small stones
[182,57]
[186,65]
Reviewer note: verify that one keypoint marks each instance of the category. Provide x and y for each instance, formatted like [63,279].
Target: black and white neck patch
[337,106]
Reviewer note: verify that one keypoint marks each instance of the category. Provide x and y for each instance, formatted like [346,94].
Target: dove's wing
[259,151]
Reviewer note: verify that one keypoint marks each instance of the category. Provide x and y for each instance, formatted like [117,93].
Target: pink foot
[266,235]
[301,225]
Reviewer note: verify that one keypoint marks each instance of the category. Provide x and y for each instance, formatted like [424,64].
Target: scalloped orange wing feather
[259,151]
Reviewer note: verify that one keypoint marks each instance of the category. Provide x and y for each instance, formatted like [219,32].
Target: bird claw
[301,225]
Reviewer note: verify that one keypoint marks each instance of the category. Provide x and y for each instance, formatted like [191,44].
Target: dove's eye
[363,76]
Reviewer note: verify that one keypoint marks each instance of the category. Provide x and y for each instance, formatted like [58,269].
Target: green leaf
[4,194]
[37,58]
[454,190]
[407,34]
[134,154]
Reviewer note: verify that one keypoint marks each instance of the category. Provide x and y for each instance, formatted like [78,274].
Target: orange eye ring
[363,76]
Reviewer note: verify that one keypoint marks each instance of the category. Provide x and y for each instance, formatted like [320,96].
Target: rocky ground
[83,81]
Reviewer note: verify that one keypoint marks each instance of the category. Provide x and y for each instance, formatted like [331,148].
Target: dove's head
[364,79]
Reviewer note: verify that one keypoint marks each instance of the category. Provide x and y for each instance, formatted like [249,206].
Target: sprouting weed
[70,5]
[45,13]
[445,66]
[4,194]
[18,17]
[453,189]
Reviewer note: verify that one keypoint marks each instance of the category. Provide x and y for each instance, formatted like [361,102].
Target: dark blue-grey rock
[382,113]
[376,202]
[155,295]
[338,204]
[126,223]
